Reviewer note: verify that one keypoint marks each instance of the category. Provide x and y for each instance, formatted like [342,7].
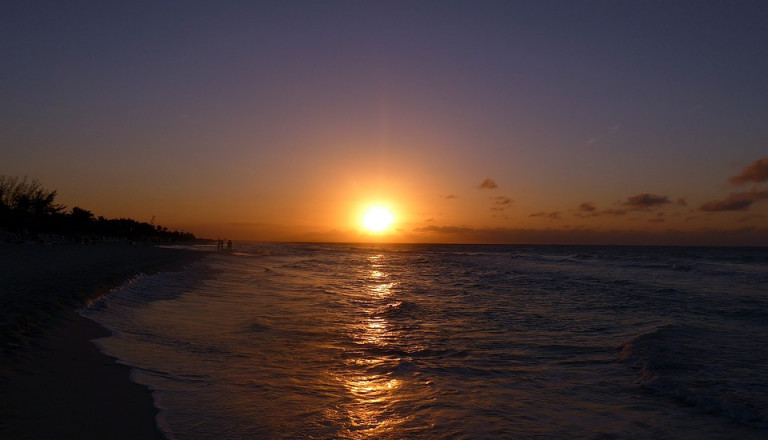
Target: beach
[54,382]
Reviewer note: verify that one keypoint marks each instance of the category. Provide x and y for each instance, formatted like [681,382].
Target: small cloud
[555,215]
[451,196]
[754,236]
[659,218]
[735,202]
[610,131]
[756,172]
[591,141]
[646,201]
[681,202]
[749,217]
[487,184]
[501,200]
[729,204]
[445,229]
[589,209]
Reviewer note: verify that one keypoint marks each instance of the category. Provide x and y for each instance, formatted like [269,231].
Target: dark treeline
[28,211]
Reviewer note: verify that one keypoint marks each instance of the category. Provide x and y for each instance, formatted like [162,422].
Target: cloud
[451,196]
[681,201]
[749,218]
[639,202]
[658,219]
[591,141]
[590,210]
[555,215]
[735,201]
[611,130]
[445,229]
[748,236]
[488,184]
[501,200]
[756,172]
[646,201]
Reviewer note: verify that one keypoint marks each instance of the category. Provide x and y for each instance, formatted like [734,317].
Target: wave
[397,309]
[705,368]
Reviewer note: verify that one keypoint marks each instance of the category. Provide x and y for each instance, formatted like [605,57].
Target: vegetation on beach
[28,211]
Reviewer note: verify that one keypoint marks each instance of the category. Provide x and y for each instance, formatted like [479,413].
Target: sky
[554,122]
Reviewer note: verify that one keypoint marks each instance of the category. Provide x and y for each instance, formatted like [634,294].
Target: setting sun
[377,219]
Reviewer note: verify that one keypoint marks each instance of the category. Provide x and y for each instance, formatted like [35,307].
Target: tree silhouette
[28,209]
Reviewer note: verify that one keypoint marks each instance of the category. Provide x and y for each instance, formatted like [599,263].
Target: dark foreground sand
[54,383]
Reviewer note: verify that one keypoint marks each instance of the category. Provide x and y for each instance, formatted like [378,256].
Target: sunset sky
[490,121]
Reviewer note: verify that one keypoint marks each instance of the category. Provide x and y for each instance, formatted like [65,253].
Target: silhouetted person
[229,245]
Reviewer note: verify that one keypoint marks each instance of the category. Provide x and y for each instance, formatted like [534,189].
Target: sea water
[315,341]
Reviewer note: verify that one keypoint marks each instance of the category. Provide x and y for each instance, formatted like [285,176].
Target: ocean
[334,341]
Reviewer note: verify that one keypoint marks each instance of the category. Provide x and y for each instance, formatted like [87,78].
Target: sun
[378,219]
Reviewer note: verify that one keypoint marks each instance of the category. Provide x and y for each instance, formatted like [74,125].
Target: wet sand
[54,383]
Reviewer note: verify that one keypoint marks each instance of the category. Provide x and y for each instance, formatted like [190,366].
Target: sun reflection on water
[368,378]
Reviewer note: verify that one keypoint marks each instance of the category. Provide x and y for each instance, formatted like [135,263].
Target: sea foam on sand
[54,383]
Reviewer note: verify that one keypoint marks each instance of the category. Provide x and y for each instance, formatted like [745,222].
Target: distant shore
[54,383]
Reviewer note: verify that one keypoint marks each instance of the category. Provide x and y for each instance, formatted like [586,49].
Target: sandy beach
[54,383]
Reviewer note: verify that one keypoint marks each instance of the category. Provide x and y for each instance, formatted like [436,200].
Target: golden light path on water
[373,393]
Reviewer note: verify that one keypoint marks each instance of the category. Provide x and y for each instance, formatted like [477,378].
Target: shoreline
[54,381]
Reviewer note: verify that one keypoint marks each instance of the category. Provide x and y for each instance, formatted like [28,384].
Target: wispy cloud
[756,172]
[487,184]
[451,196]
[639,202]
[749,218]
[501,203]
[735,201]
[446,229]
[554,215]
[589,209]
[609,132]
[461,234]
[646,201]
[658,219]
